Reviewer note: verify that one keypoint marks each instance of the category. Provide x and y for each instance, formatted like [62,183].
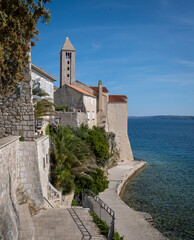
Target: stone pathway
[130,223]
[58,224]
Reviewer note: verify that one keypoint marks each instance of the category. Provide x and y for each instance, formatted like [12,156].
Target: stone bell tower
[67,63]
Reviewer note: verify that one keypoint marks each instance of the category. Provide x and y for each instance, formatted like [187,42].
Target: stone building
[78,100]
[104,110]
[42,80]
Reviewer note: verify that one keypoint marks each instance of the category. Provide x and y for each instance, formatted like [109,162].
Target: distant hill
[164,117]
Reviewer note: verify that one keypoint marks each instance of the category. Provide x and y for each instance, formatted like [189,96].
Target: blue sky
[143,49]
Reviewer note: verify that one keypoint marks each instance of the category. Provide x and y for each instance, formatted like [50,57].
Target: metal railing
[85,233]
[48,202]
[101,209]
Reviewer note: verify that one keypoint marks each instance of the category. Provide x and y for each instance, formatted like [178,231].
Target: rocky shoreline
[129,223]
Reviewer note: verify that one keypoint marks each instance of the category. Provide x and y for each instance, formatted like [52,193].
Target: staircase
[54,196]
[65,224]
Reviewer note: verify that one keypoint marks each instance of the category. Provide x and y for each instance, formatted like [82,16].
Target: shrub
[74,202]
[97,182]
[61,108]
[47,129]
[104,228]
[99,144]
[62,179]
[21,139]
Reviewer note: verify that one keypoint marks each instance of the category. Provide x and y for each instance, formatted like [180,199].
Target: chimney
[100,96]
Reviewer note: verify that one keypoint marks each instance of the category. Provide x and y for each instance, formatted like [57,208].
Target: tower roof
[68,45]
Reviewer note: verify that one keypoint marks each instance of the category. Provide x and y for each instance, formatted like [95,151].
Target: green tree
[100,146]
[18,20]
[70,154]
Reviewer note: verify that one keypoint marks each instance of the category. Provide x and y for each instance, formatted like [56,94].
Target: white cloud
[186,63]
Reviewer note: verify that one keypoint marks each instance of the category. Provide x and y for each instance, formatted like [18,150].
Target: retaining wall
[9,177]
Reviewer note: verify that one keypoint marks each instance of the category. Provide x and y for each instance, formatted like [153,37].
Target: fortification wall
[9,176]
[117,123]
[73,119]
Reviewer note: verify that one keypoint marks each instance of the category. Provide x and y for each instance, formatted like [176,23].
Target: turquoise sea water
[165,188]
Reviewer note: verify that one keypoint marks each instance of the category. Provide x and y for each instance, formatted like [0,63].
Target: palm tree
[70,154]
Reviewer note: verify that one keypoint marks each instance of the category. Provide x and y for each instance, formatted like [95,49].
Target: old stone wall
[43,145]
[29,171]
[73,119]
[9,176]
[67,96]
[117,123]
[16,111]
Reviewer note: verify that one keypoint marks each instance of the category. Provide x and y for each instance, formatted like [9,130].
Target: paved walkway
[130,223]
[58,224]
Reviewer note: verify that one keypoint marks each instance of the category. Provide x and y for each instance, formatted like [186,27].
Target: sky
[141,49]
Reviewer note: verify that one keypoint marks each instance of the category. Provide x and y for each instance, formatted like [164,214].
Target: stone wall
[9,176]
[73,119]
[29,171]
[117,123]
[67,96]
[16,111]
[43,145]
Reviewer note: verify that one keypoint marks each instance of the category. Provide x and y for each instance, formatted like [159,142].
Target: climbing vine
[18,20]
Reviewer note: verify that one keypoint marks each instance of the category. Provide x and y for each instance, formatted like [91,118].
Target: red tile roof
[104,89]
[81,90]
[117,98]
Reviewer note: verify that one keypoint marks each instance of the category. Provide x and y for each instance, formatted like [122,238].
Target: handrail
[102,205]
[85,233]
[48,202]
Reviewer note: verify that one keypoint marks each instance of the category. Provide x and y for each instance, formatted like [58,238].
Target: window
[67,68]
[68,62]
[93,115]
[67,75]
[85,99]
[88,115]
[44,162]
[47,158]
[91,100]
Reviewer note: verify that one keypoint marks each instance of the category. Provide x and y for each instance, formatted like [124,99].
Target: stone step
[27,230]
[61,225]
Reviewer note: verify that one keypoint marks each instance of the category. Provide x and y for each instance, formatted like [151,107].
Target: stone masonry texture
[16,111]
[9,176]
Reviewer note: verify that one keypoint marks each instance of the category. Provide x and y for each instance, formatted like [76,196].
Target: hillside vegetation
[78,156]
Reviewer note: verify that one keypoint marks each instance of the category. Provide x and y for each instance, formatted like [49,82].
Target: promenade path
[130,223]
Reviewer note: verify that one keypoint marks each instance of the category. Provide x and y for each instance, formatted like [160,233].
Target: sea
[165,188]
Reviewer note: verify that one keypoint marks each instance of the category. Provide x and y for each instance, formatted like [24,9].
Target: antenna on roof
[67,34]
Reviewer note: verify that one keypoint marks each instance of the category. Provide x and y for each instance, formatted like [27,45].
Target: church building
[100,108]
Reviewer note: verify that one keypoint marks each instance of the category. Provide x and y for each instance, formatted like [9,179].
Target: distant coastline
[163,117]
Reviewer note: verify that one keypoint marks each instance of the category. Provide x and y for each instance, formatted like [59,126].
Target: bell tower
[67,63]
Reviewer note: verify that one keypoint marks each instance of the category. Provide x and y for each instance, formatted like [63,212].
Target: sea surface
[165,188]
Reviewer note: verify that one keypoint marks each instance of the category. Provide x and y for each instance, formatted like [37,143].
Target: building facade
[106,111]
